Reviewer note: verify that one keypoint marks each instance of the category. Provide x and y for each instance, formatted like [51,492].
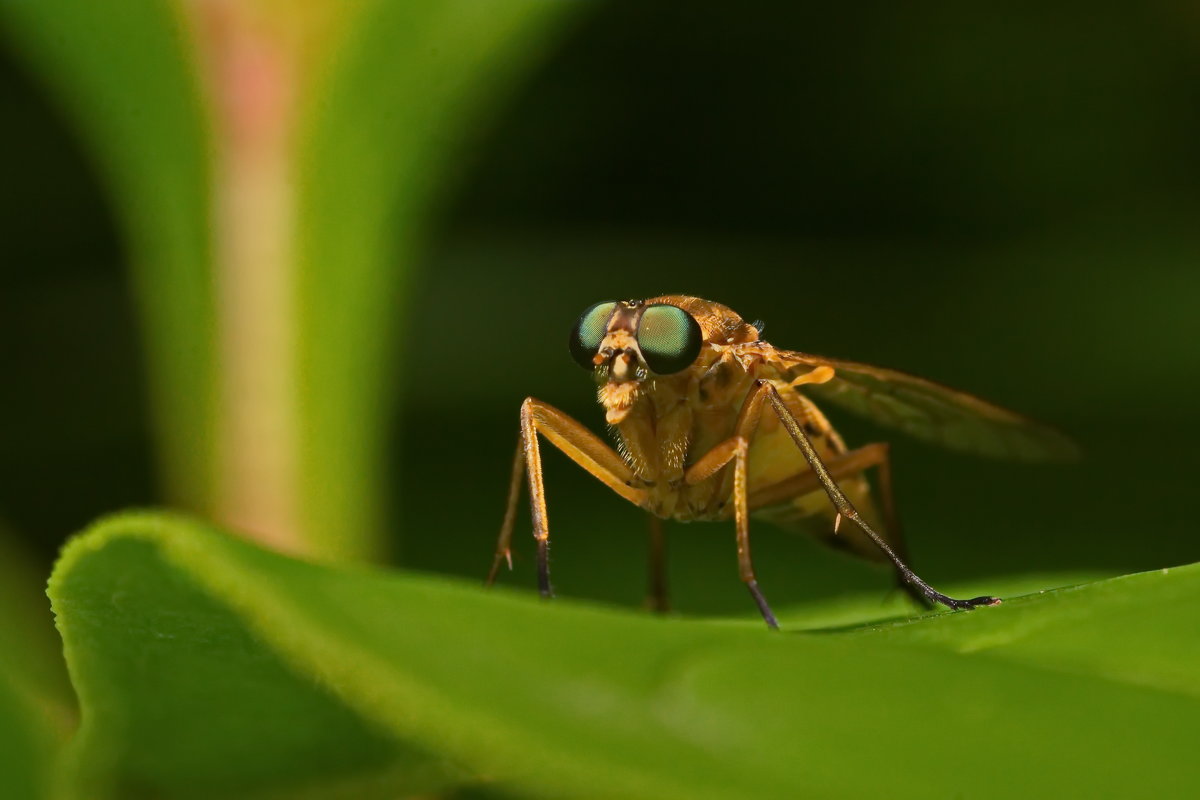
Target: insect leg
[504,542]
[656,595]
[578,444]
[737,449]
[847,510]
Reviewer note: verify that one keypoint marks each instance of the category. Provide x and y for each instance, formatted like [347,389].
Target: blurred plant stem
[251,71]
[276,167]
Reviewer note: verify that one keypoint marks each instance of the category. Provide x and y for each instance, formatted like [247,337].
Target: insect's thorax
[677,415]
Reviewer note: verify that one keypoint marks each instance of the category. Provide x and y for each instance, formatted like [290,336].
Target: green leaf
[1147,617]
[181,699]
[276,675]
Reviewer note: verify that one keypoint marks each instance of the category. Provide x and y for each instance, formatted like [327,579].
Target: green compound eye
[589,332]
[669,338]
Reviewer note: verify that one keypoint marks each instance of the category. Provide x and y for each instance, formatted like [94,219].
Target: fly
[714,423]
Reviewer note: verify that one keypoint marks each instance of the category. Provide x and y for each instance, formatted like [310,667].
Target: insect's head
[630,340]
[626,342]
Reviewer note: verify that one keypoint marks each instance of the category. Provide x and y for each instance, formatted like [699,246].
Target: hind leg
[847,510]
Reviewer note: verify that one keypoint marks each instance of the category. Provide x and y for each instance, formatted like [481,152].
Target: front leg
[578,444]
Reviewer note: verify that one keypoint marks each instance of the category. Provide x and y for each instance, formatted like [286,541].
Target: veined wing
[927,410]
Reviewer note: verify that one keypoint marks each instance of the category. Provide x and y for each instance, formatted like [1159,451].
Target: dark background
[1001,197]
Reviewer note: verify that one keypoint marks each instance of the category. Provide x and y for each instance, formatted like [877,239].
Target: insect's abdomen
[774,457]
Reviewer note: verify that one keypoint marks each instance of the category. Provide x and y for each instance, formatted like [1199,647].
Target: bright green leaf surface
[183,700]
[1138,630]
[275,673]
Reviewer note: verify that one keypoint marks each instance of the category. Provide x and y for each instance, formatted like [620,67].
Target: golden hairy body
[713,423]
[670,421]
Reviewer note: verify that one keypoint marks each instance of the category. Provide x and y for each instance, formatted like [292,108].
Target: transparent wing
[928,410]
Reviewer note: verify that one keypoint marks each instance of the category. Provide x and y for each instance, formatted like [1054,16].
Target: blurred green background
[1001,197]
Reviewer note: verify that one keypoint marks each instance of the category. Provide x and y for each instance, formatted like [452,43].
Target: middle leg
[736,449]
